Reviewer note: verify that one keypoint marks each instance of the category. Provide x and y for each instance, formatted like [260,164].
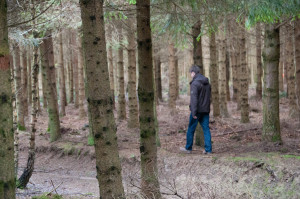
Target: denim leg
[204,122]
[190,133]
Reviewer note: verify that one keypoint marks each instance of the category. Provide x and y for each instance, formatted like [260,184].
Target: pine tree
[258,60]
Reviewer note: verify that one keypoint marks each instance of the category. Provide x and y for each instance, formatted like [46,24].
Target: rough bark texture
[70,69]
[176,78]
[82,112]
[197,54]
[258,60]
[271,121]
[149,182]
[7,177]
[121,87]
[29,58]
[100,100]
[244,79]
[227,73]
[48,70]
[75,68]
[23,58]
[297,57]
[18,87]
[290,70]
[214,75]
[234,56]
[61,72]
[172,77]
[282,62]
[158,77]
[133,111]
[222,73]
[45,103]
[111,70]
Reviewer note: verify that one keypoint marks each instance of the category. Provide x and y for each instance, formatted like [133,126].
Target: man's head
[194,70]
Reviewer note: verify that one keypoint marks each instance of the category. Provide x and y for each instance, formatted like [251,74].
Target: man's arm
[194,100]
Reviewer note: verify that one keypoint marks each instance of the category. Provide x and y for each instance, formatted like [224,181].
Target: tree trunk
[18,87]
[111,71]
[172,78]
[61,72]
[48,70]
[149,182]
[70,67]
[214,75]
[100,100]
[133,117]
[158,78]
[258,61]
[282,62]
[290,71]
[234,59]
[29,59]
[121,96]
[244,79]
[75,68]
[197,54]
[45,103]
[176,78]
[82,112]
[271,121]
[222,74]
[7,177]
[227,73]
[23,58]
[297,57]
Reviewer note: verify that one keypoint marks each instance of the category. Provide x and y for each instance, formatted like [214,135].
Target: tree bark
[75,68]
[45,103]
[133,117]
[214,75]
[111,70]
[197,54]
[100,100]
[61,72]
[7,177]
[23,58]
[18,87]
[149,182]
[222,74]
[290,71]
[244,79]
[282,62]
[172,77]
[29,62]
[258,61]
[158,77]
[121,94]
[48,70]
[176,78]
[227,74]
[82,112]
[271,121]
[297,57]
[70,68]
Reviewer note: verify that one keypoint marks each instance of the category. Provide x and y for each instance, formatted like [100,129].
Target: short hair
[195,69]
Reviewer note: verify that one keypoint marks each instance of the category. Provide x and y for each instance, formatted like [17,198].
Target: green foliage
[91,141]
[282,94]
[21,128]
[291,156]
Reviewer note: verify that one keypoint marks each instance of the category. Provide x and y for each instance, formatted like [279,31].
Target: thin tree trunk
[244,79]
[214,75]
[222,74]
[100,100]
[18,87]
[158,78]
[258,61]
[227,74]
[75,68]
[133,117]
[121,96]
[7,177]
[61,72]
[297,57]
[149,182]
[70,67]
[282,62]
[23,58]
[176,78]
[111,71]
[172,78]
[48,70]
[271,121]
[29,59]
[234,61]
[82,112]
[45,103]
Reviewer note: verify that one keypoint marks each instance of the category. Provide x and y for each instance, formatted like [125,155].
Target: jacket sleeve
[194,99]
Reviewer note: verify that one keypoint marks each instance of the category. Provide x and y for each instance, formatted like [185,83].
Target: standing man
[200,108]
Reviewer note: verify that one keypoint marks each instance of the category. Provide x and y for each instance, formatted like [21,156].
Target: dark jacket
[200,95]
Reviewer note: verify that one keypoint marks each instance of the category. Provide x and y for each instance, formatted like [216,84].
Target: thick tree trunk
[222,74]
[244,79]
[111,70]
[7,177]
[214,75]
[297,57]
[61,72]
[18,87]
[150,184]
[271,121]
[82,112]
[100,100]
[158,77]
[258,61]
[172,77]
[290,71]
[23,58]
[133,117]
[197,54]
[234,60]
[48,70]
[121,94]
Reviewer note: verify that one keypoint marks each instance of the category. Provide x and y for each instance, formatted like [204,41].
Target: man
[200,108]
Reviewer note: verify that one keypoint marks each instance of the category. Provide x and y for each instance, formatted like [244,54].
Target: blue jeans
[203,119]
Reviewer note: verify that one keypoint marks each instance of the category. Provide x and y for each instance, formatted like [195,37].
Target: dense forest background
[94,98]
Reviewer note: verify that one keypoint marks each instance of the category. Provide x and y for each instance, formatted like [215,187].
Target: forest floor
[242,166]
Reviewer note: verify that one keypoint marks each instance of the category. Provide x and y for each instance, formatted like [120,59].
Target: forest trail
[240,167]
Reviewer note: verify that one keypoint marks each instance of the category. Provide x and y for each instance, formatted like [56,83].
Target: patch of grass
[21,128]
[91,141]
[291,156]
[44,196]
[68,149]
[250,159]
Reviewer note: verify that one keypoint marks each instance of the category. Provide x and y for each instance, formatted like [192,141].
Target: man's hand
[195,117]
